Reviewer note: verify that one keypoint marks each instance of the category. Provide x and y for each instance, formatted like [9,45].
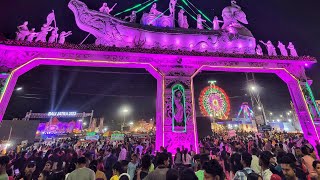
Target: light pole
[254,91]
[124,112]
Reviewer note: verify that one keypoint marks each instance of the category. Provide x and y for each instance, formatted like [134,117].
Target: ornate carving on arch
[75,56]
[115,58]
[186,82]
[12,59]
[283,65]
[258,64]
[229,63]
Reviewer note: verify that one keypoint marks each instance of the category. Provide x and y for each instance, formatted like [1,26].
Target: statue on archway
[172,6]
[32,35]
[283,49]
[23,31]
[42,35]
[154,10]
[259,50]
[216,23]
[54,35]
[200,21]
[270,48]
[105,9]
[63,36]
[182,20]
[132,17]
[293,51]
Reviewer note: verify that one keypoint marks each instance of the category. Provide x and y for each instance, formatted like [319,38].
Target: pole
[85,39]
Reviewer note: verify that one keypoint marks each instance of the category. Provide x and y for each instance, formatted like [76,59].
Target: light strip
[141,9]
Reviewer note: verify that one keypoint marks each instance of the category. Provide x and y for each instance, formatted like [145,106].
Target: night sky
[105,90]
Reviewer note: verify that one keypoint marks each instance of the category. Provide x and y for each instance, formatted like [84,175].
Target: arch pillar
[178,127]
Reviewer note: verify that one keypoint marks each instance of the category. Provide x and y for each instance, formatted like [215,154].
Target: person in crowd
[172,174]
[71,167]
[187,174]
[254,176]
[255,161]
[4,161]
[145,167]
[186,158]
[117,170]
[82,172]
[264,162]
[123,153]
[213,170]
[44,175]
[246,159]
[288,168]
[178,158]
[203,158]
[99,174]
[307,159]
[132,166]
[110,161]
[162,167]
[48,166]
[316,166]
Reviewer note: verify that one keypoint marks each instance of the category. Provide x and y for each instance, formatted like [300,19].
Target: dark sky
[106,89]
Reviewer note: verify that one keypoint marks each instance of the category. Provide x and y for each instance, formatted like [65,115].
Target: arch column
[307,125]
[178,127]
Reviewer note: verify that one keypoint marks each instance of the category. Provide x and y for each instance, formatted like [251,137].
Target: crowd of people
[241,157]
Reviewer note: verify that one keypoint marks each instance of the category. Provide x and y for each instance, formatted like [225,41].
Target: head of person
[44,175]
[163,159]
[254,176]
[316,166]
[246,159]
[187,174]
[48,166]
[134,158]
[254,151]
[172,174]
[81,162]
[178,150]
[117,169]
[146,162]
[264,159]
[305,150]
[71,167]
[213,170]
[4,160]
[203,159]
[288,167]
[30,168]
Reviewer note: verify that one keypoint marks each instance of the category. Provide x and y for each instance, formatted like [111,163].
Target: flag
[51,17]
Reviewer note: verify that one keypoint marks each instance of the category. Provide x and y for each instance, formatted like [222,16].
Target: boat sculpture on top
[233,37]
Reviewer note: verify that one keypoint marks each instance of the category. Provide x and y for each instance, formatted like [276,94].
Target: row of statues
[182,18]
[272,50]
[24,33]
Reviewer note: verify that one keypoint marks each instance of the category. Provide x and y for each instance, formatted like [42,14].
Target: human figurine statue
[23,31]
[105,9]
[63,36]
[132,17]
[54,35]
[259,50]
[178,116]
[172,6]
[182,20]
[270,48]
[32,35]
[293,51]
[42,35]
[215,23]
[200,21]
[283,49]
[154,10]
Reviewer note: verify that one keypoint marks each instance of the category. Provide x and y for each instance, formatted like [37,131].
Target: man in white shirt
[255,161]
[123,153]
[82,172]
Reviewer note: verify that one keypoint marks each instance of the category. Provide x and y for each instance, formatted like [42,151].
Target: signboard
[117,137]
[265,128]
[62,113]
[91,133]
[92,138]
